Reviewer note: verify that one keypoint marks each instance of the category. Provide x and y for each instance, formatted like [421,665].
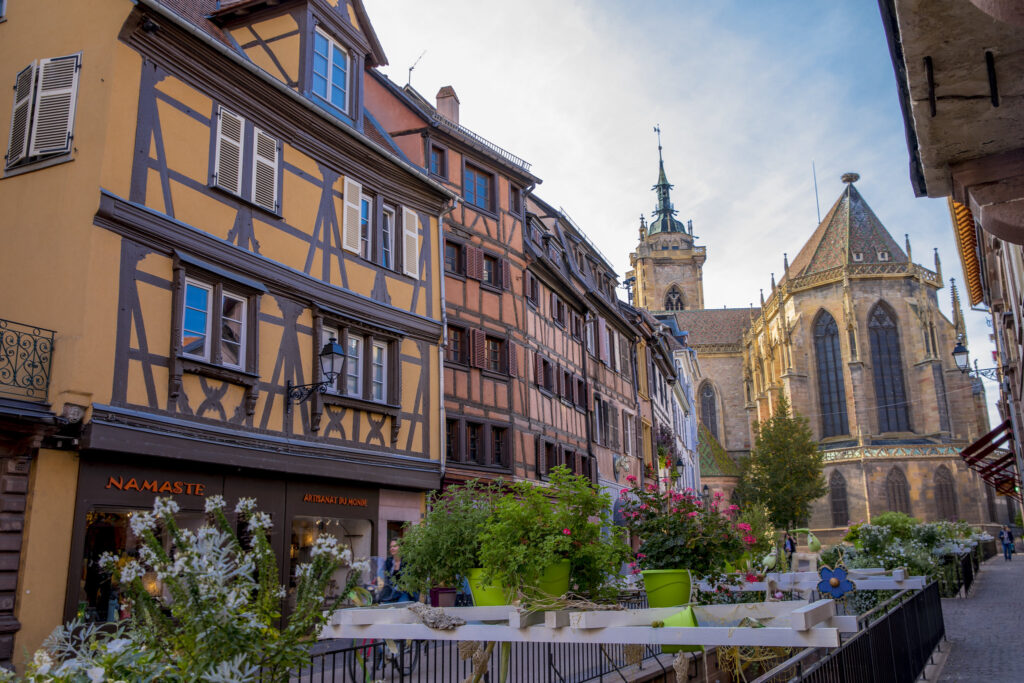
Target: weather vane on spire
[657,129]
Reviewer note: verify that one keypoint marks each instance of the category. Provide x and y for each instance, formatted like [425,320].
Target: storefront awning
[991,456]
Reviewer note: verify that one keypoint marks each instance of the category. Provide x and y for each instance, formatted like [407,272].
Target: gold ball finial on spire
[850,178]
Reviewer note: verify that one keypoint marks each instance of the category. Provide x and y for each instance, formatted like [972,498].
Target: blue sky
[747,94]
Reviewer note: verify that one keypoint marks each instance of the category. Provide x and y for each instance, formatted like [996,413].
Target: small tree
[784,472]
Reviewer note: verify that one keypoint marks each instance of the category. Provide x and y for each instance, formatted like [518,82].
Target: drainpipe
[444,339]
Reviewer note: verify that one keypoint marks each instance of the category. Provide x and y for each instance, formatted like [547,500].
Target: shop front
[112,489]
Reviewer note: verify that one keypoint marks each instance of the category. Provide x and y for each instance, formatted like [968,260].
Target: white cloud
[747,95]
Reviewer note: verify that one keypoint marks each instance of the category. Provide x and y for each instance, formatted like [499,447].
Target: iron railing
[444,122]
[895,648]
[25,354]
[441,662]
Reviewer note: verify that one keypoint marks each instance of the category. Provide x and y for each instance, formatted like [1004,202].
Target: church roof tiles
[713,325]
[850,233]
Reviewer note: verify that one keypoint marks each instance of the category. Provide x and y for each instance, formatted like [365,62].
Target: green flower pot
[667,588]
[486,594]
[554,581]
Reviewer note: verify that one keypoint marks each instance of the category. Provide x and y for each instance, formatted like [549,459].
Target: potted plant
[543,541]
[445,545]
[681,537]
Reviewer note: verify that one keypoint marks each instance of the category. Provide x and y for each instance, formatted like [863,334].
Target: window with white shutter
[227,172]
[410,243]
[264,172]
[351,233]
[43,115]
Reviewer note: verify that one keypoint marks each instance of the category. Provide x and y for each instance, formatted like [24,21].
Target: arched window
[831,388]
[708,414]
[897,491]
[945,494]
[890,395]
[837,496]
[673,300]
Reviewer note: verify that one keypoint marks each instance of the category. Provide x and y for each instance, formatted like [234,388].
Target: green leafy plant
[204,607]
[445,544]
[784,470]
[536,526]
[676,531]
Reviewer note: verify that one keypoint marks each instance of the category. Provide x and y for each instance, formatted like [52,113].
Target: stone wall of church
[867,492]
[725,372]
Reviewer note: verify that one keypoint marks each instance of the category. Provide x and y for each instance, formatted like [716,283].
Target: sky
[748,96]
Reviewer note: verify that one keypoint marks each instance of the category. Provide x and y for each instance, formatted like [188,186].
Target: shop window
[357,534]
[107,530]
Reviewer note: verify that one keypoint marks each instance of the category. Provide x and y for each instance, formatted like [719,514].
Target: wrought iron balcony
[25,354]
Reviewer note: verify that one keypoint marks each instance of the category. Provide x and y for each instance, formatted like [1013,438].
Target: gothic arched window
[945,494]
[837,496]
[673,300]
[831,387]
[897,491]
[708,414]
[890,395]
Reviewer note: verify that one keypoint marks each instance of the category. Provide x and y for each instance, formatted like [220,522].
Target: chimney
[448,103]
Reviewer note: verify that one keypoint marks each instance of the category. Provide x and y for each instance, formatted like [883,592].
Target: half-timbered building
[244,277]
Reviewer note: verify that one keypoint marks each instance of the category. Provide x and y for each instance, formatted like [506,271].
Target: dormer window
[330,71]
[883,256]
[858,256]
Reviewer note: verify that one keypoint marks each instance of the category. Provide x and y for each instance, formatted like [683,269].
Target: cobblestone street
[983,629]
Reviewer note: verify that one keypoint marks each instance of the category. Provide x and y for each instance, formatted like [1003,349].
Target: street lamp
[705,495]
[963,363]
[331,358]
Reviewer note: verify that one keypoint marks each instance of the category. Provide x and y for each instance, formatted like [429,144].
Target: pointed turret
[959,324]
[664,212]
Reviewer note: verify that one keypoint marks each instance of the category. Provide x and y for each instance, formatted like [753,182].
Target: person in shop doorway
[387,582]
[789,546]
[1006,538]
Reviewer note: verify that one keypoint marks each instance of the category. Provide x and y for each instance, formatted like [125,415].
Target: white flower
[259,520]
[96,674]
[303,571]
[141,522]
[42,662]
[130,571]
[118,645]
[214,503]
[361,566]
[162,507]
[326,545]
[245,506]
[108,562]
[148,556]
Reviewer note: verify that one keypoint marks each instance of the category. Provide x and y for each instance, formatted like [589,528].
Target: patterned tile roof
[713,325]
[714,461]
[850,227]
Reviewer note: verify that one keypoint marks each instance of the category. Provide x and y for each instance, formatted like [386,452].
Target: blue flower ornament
[834,582]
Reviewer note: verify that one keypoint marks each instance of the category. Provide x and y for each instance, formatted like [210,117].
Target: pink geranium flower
[692,514]
[743,526]
[734,507]
[567,532]
[630,478]
[749,540]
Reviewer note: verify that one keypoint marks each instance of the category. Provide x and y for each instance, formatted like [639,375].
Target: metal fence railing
[25,354]
[895,648]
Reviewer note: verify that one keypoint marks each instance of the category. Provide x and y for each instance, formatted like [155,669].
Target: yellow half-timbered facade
[197,203]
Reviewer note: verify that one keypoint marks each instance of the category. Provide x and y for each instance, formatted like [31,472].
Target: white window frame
[209,319]
[382,368]
[242,326]
[354,370]
[366,228]
[387,237]
[884,256]
[332,47]
[627,433]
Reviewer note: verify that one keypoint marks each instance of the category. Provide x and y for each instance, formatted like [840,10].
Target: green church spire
[664,213]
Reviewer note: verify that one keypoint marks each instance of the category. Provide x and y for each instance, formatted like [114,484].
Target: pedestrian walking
[1006,538]
[789,545]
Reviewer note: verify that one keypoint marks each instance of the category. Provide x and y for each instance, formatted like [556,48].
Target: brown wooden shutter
[479,350]
[506,275]
[538,452]
[538,368]
[513,358]
[590,397]
[613,422]
[474,262]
